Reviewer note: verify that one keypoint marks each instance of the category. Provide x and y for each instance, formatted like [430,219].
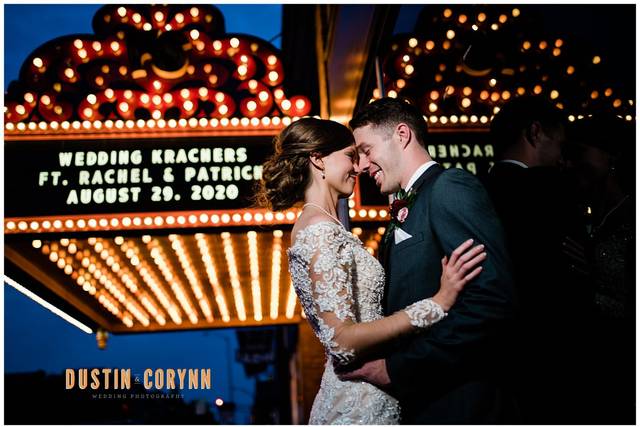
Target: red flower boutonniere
[399,209]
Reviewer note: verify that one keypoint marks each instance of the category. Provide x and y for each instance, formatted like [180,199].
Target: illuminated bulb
[554,94]
[115,46]
[482,17]
[466,102]
[159,16]
[526,45]
[157,85]
[451,34]
[234,42]
[515,13]
[409,69]
[286,104]
[596,59]
[38,62]
[251,105]
[194,34]
[273,76]
[447,13]
[271,60]
[570,69]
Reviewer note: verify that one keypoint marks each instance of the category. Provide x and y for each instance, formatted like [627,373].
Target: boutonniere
[399,209]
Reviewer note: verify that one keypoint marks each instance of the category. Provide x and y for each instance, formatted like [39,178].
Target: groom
[454,372]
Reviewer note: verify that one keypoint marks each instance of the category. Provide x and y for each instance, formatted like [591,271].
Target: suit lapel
[427,176]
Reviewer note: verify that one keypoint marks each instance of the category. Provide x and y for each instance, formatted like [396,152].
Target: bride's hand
[458,271]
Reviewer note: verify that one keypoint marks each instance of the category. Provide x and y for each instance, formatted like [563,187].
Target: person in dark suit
[451,374]
[545,236]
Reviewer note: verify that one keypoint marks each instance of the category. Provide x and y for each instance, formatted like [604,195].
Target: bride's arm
[332,282]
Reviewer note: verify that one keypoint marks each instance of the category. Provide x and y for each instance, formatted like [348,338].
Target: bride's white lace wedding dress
[335,276]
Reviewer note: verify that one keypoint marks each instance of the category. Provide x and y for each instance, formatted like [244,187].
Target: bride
[339,284]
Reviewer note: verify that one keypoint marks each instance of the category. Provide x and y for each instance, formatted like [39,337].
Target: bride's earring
[323,177]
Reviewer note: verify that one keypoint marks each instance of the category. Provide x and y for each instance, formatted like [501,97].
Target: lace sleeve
[324,272]
[330,274]
[424,313]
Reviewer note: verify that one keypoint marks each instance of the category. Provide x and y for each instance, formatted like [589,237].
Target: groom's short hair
[389,112]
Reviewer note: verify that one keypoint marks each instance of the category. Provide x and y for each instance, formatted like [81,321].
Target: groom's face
[378,157]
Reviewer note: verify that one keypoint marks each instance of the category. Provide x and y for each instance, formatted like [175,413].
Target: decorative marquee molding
[151,67]
[469,60]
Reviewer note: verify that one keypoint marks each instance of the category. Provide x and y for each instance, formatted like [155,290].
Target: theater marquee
[90,177]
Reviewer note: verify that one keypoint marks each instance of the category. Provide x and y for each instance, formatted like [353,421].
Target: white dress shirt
[515,162]
[418,173]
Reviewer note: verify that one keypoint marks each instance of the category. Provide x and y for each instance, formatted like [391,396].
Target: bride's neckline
[324,221]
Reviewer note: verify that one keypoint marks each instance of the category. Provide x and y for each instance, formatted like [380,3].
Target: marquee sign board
[47,178]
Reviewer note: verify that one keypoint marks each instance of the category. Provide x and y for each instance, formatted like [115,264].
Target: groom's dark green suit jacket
[453,372]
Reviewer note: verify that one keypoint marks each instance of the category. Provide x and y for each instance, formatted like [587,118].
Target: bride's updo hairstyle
[286,174]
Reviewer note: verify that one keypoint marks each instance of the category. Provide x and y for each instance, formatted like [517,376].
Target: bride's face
[341,169]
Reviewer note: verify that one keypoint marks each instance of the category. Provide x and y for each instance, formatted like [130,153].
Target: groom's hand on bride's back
[374,372]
